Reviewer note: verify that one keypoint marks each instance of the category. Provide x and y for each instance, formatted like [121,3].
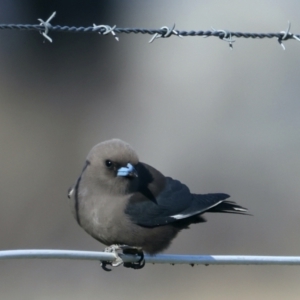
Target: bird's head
[112,164]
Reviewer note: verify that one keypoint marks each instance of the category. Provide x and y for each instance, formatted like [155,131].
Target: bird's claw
[135,251]
[118,260]
[104,265]
[115,263]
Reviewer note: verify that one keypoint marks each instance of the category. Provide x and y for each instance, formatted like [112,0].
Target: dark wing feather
[229,207]
[202,204]
[173,199]
[159,200]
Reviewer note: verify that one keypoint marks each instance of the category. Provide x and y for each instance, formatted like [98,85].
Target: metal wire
[164,32]
[157,259]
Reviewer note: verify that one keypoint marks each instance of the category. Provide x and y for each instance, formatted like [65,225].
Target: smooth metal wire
[156,259]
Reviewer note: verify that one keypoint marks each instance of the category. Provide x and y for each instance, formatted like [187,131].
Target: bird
[127,204]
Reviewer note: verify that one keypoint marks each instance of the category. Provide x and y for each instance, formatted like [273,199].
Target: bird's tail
[229,207]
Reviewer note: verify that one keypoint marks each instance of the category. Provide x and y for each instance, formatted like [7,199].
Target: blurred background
[218,120]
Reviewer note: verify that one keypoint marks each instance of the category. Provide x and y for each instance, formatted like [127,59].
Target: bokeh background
[216,119]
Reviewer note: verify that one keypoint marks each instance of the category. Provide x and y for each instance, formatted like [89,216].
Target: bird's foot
[118,261]
[115,263]
[135,251]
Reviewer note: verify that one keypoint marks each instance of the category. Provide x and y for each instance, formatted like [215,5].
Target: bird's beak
[128,171]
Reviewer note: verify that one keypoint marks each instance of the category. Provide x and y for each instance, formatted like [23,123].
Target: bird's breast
[102,216]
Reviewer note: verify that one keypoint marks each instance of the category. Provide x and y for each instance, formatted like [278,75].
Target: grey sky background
[218,120]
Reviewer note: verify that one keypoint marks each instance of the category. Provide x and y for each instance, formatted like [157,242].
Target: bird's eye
[108,163]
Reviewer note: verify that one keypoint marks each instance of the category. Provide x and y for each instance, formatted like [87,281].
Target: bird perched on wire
[129,205]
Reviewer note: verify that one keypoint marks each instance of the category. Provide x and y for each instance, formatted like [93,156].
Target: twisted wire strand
[208,33]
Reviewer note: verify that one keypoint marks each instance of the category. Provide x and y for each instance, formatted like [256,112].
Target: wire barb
[167,33]
[287,35]
[223,36]
[107,29]
[47,26]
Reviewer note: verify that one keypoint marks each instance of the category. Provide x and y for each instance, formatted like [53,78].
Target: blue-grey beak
[128,171]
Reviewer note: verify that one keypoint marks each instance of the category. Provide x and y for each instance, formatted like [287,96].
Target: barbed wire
[156,259]
[164,32]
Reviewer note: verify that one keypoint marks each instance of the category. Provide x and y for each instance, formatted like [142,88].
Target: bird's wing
[174,202]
